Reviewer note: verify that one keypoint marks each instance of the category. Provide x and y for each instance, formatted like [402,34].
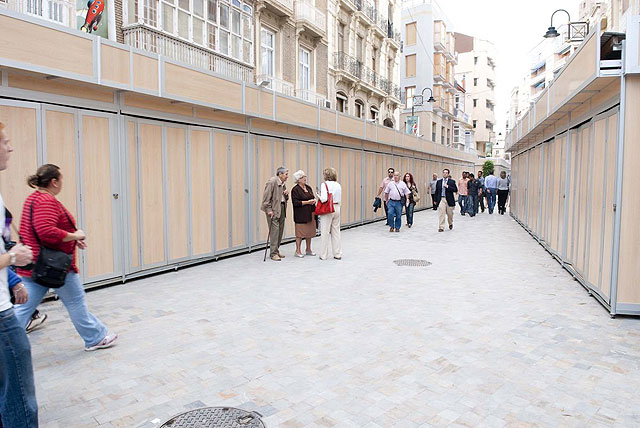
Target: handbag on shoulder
[325,207]
[51,266]
[416,195]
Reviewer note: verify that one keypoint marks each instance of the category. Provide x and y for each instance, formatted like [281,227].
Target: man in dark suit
[445,187]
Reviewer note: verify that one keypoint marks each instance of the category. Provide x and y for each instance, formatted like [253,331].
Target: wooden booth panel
[344,178]
[221,189]
[178,211]
[114,64]
[291,162]
[609,198]
[357,186]
[596,215]
[200,158]
[264,169]
[151,193]
[134,257]
[584,193]
[97,195]
[21,128]
[60,140]
[238,198]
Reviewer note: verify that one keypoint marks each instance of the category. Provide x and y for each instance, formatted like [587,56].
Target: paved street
[493,334]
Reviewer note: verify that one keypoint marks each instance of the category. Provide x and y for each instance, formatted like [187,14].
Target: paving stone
[493,333]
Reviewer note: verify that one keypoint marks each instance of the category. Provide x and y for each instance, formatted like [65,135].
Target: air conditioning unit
[327,104]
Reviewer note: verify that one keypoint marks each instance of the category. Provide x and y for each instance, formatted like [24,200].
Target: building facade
[364,59]
[476,72]
[429,59]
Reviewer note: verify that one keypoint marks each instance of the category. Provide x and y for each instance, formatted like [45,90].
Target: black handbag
[51,266]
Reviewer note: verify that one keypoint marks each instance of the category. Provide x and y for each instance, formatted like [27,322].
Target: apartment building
[429,59]
[610,15]
[364,59]
[476,70]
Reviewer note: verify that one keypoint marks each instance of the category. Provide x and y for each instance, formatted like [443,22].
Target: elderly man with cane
[274,204]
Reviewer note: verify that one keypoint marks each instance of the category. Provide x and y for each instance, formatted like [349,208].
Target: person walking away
[446,189]
[383,185]
[395,192]
[480,192]
[304,205]
[414,197]
[503,192]
[472,199]
[18,404]
[46,222]
[330,223]
[274,204]
[491,189]
[432,186]
[463,192]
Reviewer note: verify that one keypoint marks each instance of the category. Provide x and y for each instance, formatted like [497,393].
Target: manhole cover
[411,262]
[215,417]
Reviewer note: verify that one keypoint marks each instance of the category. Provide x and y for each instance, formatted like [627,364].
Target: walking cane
[268,236]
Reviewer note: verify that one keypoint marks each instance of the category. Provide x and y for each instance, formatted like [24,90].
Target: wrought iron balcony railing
[144,37]
[357,69]
[312,97]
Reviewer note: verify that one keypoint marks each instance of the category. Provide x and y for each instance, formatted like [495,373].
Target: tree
[487,167]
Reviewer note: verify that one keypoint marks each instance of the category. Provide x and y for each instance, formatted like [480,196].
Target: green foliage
[487,167]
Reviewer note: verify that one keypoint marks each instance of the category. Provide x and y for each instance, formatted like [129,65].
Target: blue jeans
[491,199]
[410,210]
[463,201]
[74,299]
[394,214]
[472,202]
[18,405]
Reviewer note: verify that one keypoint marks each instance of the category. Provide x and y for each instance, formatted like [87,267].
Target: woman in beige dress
[304,205]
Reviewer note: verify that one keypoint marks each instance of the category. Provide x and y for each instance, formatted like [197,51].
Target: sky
[514,27]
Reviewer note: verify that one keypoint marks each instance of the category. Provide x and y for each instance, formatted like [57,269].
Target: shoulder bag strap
[32,226]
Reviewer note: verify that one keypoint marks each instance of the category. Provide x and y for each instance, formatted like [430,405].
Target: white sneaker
[108,341]
[36,321]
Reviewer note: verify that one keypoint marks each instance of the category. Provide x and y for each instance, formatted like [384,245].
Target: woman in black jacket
[304,205]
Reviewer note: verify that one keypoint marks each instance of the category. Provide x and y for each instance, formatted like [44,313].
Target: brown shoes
[276,258]
[391,229]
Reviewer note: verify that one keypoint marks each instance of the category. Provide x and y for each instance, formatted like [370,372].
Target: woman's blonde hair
[330,174]
[1,126]
[298,175]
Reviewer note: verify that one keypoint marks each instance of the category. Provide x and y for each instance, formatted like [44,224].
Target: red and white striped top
[52,226]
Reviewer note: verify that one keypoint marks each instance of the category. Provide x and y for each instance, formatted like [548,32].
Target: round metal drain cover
[412,262]
[215,417]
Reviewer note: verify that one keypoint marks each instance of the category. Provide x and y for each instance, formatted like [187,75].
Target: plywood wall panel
[201,176]
[152,197]
[221,189]
[238,196]
[134,245]
[61,151]
[177,196]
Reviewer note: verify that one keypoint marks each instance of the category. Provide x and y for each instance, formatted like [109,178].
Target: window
[374,113]
[442,135]
[341,102]
[359,109]
[215,24]
[488,125]
[374,57]
[475,102]
[305,73]
[410,65]
[359,42]
[410,92]
[433,131]
[267,53]
[390,70]
[449,137]
[474,123]
[410,34]
[475,81]
[341,42]
[475,60]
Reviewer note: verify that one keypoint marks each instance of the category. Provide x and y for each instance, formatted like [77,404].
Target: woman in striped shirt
[54,225]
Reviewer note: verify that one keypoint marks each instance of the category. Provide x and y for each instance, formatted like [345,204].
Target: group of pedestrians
[274,204]
[43,259]
[396,195]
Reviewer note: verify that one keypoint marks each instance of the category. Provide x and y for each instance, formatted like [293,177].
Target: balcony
[311,18]
[382,25]
[439,73]
[356,71]
[61,12]
[142,36]
[310,96]
[277,85]
[280,8]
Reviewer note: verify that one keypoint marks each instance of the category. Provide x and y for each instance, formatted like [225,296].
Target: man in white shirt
[491,188]
[18,405]
[383,185]
[394,192]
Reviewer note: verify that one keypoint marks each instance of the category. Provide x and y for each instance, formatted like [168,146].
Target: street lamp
[552,32]
[418,100]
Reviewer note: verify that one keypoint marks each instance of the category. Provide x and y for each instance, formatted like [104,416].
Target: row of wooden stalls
[153,194]
[574,191]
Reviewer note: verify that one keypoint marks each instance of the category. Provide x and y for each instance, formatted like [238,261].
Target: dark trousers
[481,201]
[386,211]
[409,212]
[472,203]
[433,201]
[502,200]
